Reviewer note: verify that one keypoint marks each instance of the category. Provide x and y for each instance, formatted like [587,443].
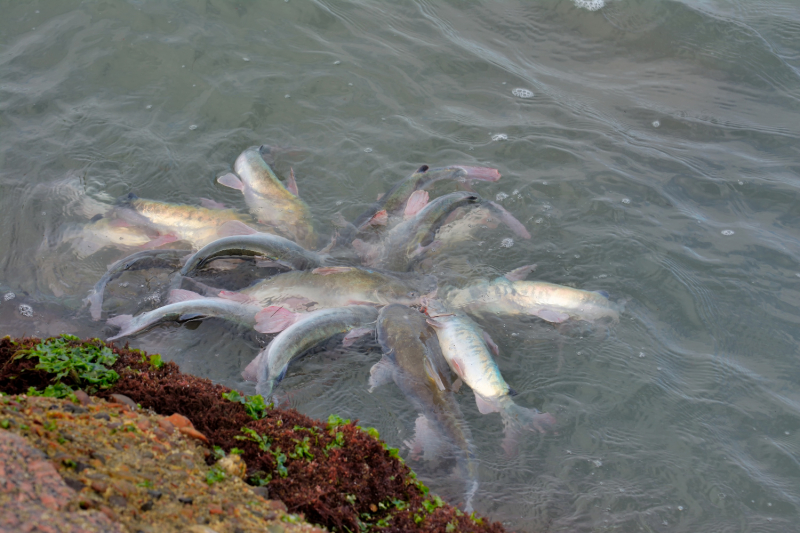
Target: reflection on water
[650,148]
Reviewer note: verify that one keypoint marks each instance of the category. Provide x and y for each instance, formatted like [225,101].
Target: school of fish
[366,279]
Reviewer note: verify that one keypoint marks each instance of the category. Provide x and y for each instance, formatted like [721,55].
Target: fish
[413,359]
[270,365]
[140,260]
[185,306]
[273,247]
[336,286]
[397,197]
[512,296]
[405,243]
[196,225]
[465,348]
[269,201]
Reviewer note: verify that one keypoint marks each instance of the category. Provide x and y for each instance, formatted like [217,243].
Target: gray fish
[137,261]
[413,359]
[273,247]
[269,366]
[187,306]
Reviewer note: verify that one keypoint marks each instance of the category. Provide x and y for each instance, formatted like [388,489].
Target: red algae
[335,474]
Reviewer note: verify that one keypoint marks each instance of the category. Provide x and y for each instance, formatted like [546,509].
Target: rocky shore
[152,449]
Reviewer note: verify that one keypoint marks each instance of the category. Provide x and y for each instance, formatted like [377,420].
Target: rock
[180,421]
[124,400]
[233,465]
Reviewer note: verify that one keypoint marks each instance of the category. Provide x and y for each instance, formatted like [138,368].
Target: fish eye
[423,169]
[412,294]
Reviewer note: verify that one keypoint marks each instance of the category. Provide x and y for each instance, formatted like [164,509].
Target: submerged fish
[413,360]
[140,260]
[269,366]
[465,348]
[186,307]
[271,202]
[405,242]
[334,287]
[548,301]
[272,247]
[90,237]
[397,197]
[194,224]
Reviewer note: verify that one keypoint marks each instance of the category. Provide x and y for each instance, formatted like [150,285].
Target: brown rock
[166,425]
[124,400]
[180,421]
[82,397]
[191,432]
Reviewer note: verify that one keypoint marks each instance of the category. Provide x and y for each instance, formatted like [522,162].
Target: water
[650,147]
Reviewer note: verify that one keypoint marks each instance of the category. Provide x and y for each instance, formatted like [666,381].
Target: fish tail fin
[518,419]
[95,303]
[121,321]
[274,319]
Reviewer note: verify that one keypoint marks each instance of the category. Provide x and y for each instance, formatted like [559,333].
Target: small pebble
[187,501]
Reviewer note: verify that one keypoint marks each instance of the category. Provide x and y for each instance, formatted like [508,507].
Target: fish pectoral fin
[274,319]
[378,219]
[160,241]
[291,184]
[550,315]
[381,373]
[354,335]
[231,180]
[212,204]
[485,406]
[232,228]
[416,202]
[490,343]
[433,374]
[456,386]
[519,274]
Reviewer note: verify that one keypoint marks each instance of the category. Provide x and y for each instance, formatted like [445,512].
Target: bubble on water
[522,93]
[591,5]
[577,256]
[9,296]
[622,490]
[350,84]
[194,85]
[499,137]
[656,123]
[544,183]
[539,220]
[149,106]
[508,242]
[515,192]
[155,298]
[626,200]
[368,150]
[727,232]
[25,310]
[598,463]
[515,334]
[658,368]
[501,196]
[504,83]
[339,202]
[680,507]
[183,66]
[193,127]
[569,452]
[664,523]
[124,284]
[641,354]
[602,276]
[337,62]
[37,11]
[741,182]
[287,96]
[245,59]
[769,504]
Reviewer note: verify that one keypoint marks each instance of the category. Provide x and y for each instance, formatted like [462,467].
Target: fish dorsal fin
[433,374]
[274,319]
[291,184]
[485,407]
[381,373]
[325,271]
[518,274]
[490,343]
[232,181]
[234,227]
[354,335]
[417,201]
[182,295]
[378,219]
[603,293]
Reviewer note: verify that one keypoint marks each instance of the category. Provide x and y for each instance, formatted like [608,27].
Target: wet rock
[124,400]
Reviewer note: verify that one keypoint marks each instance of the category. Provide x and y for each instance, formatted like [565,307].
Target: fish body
[270,364]
[185,311]
[269,200]
[413,360]
[273,247]
[140,260]
[87,238]
[464,347]
[335,287]
[551,302]
[395,200]
[404,243]
[194,224]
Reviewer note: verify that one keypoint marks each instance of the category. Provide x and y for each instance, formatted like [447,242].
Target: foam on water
[591,5]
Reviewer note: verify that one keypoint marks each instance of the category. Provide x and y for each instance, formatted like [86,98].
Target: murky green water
[657,159]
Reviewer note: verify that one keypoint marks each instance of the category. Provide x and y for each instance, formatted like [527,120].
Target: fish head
[456,173]
[255,173]
[434,308]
